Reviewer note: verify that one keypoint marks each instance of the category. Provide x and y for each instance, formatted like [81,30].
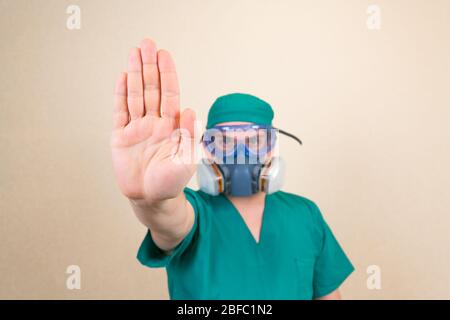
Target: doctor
[239,236]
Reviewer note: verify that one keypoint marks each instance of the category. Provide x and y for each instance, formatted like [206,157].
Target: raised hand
[152,162]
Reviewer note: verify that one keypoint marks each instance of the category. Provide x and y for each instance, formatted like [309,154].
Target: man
[239,237]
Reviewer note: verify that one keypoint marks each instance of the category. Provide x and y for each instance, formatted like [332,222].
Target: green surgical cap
[239,107]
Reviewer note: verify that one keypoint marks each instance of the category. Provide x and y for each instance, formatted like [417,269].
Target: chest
[255,252]
[252,218]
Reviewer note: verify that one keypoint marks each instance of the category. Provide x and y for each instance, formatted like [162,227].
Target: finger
[120,114]
[151,78]
[134,85]
[170,96]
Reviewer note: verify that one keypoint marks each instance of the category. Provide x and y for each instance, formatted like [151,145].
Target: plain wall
[371,106]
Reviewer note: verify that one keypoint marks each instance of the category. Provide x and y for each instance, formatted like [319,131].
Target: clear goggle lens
[225,140]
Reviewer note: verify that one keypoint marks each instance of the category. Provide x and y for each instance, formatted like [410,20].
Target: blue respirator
[239,160]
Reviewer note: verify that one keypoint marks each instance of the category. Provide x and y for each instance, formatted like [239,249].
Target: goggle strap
[290,135]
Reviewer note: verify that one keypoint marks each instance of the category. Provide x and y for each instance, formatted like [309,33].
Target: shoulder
[200,201]
[299,205]
[196,195]
[291,199]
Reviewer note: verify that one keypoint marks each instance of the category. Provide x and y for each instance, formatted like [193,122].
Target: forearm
[168,220]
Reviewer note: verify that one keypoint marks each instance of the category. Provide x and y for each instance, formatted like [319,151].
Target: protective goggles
[253,139]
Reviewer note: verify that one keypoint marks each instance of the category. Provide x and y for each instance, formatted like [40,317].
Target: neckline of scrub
[244,224]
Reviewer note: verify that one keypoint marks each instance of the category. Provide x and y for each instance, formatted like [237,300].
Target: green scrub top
[297,256]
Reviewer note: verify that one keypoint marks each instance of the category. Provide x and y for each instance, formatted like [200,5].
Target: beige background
[372,108]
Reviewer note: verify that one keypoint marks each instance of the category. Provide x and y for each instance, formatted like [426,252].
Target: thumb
[186,150]
[187,121]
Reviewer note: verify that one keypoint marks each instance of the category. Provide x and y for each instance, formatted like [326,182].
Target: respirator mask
[241,160]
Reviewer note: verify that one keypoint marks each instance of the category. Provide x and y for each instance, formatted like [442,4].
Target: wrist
[151,205]
[143,204]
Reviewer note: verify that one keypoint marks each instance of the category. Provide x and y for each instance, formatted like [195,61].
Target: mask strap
[289,135]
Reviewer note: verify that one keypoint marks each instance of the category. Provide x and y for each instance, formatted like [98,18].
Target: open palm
[152,161]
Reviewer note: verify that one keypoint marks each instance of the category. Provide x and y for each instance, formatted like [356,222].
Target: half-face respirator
[241,160]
